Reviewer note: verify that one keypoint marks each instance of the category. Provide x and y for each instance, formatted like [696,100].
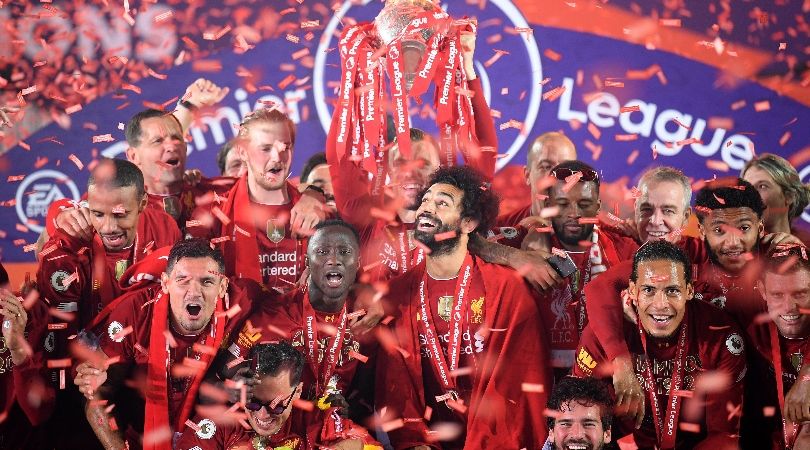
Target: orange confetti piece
[443,236]
[689,427]
[102,138]
[75,159]
[762,106]
[552,55]
[532,388]
[594,130]
[360,357]
[669,22]
[211,36]
[286,81]
[206,65]
[73,109]
[721,122]
[59,363]
[554,94]
[626,137]
[714,164]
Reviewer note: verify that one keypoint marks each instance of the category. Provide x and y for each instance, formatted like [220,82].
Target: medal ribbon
[458,316]
[406,257]
[667,430]
[789,429]
[311,341]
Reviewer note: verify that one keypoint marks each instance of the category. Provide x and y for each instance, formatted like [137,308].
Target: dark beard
[438,248]
[584,235]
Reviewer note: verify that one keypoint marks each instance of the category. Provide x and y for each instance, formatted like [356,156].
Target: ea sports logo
[36,193]
[511,84]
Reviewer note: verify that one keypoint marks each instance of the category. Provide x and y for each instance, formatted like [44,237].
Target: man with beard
[302,318]
[162,342]
[387,237]
[689,354]
[255,224]
[783,343]
[92,246]
[462,330]
[575,196]
[580,415]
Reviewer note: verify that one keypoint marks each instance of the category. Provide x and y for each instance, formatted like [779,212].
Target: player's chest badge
[274,232]
[445,307]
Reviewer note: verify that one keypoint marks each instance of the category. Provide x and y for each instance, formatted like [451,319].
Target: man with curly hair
[580,414]
[466,341]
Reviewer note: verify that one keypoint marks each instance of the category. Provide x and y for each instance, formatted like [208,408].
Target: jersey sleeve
[484,160]
[63,274]
[604,307]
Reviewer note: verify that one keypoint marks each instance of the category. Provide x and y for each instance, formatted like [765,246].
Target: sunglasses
[563,173]
[255,405]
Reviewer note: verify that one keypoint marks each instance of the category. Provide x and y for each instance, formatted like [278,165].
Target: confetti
[360,357]
[532,388]
[102,138]
[762,106]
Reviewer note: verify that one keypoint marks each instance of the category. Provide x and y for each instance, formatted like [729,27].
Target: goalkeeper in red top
[688,355]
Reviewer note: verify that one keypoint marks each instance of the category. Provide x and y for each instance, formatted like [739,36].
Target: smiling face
[161,152]
[660,293]
[194,286]
[273,388]
[579,427]
[581,201]
[787,295]
[661,211]
[777,205]
[409,176]
[732,235]
[114,213]
[333,258]
[267,151]
[439,213]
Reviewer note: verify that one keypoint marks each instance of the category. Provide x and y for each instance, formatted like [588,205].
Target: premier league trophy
[412,43]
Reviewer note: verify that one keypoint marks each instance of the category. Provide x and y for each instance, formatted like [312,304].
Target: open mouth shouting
[194,310]
[274,173]
[334,279]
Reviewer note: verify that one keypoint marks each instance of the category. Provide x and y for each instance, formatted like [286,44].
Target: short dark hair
[272,358]
[133,129]
[587,391]
[222,155]
[786,259]
[578,166]
[661,250]
[478,203]
[724,194]
[117,173]
[314,161]
[194,248]
[338,223]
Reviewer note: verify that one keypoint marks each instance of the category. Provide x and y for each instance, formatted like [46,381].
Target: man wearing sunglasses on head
[578,243]
[277,370]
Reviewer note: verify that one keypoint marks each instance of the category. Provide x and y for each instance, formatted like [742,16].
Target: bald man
[548,150]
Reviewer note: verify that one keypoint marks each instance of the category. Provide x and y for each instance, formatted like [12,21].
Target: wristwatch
[187,104]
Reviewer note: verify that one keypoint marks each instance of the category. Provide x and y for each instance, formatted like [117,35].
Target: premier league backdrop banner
[631,87]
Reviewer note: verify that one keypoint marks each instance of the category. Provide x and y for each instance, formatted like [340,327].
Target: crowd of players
[171,310]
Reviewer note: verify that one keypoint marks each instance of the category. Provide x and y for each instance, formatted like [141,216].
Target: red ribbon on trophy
[413,42]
